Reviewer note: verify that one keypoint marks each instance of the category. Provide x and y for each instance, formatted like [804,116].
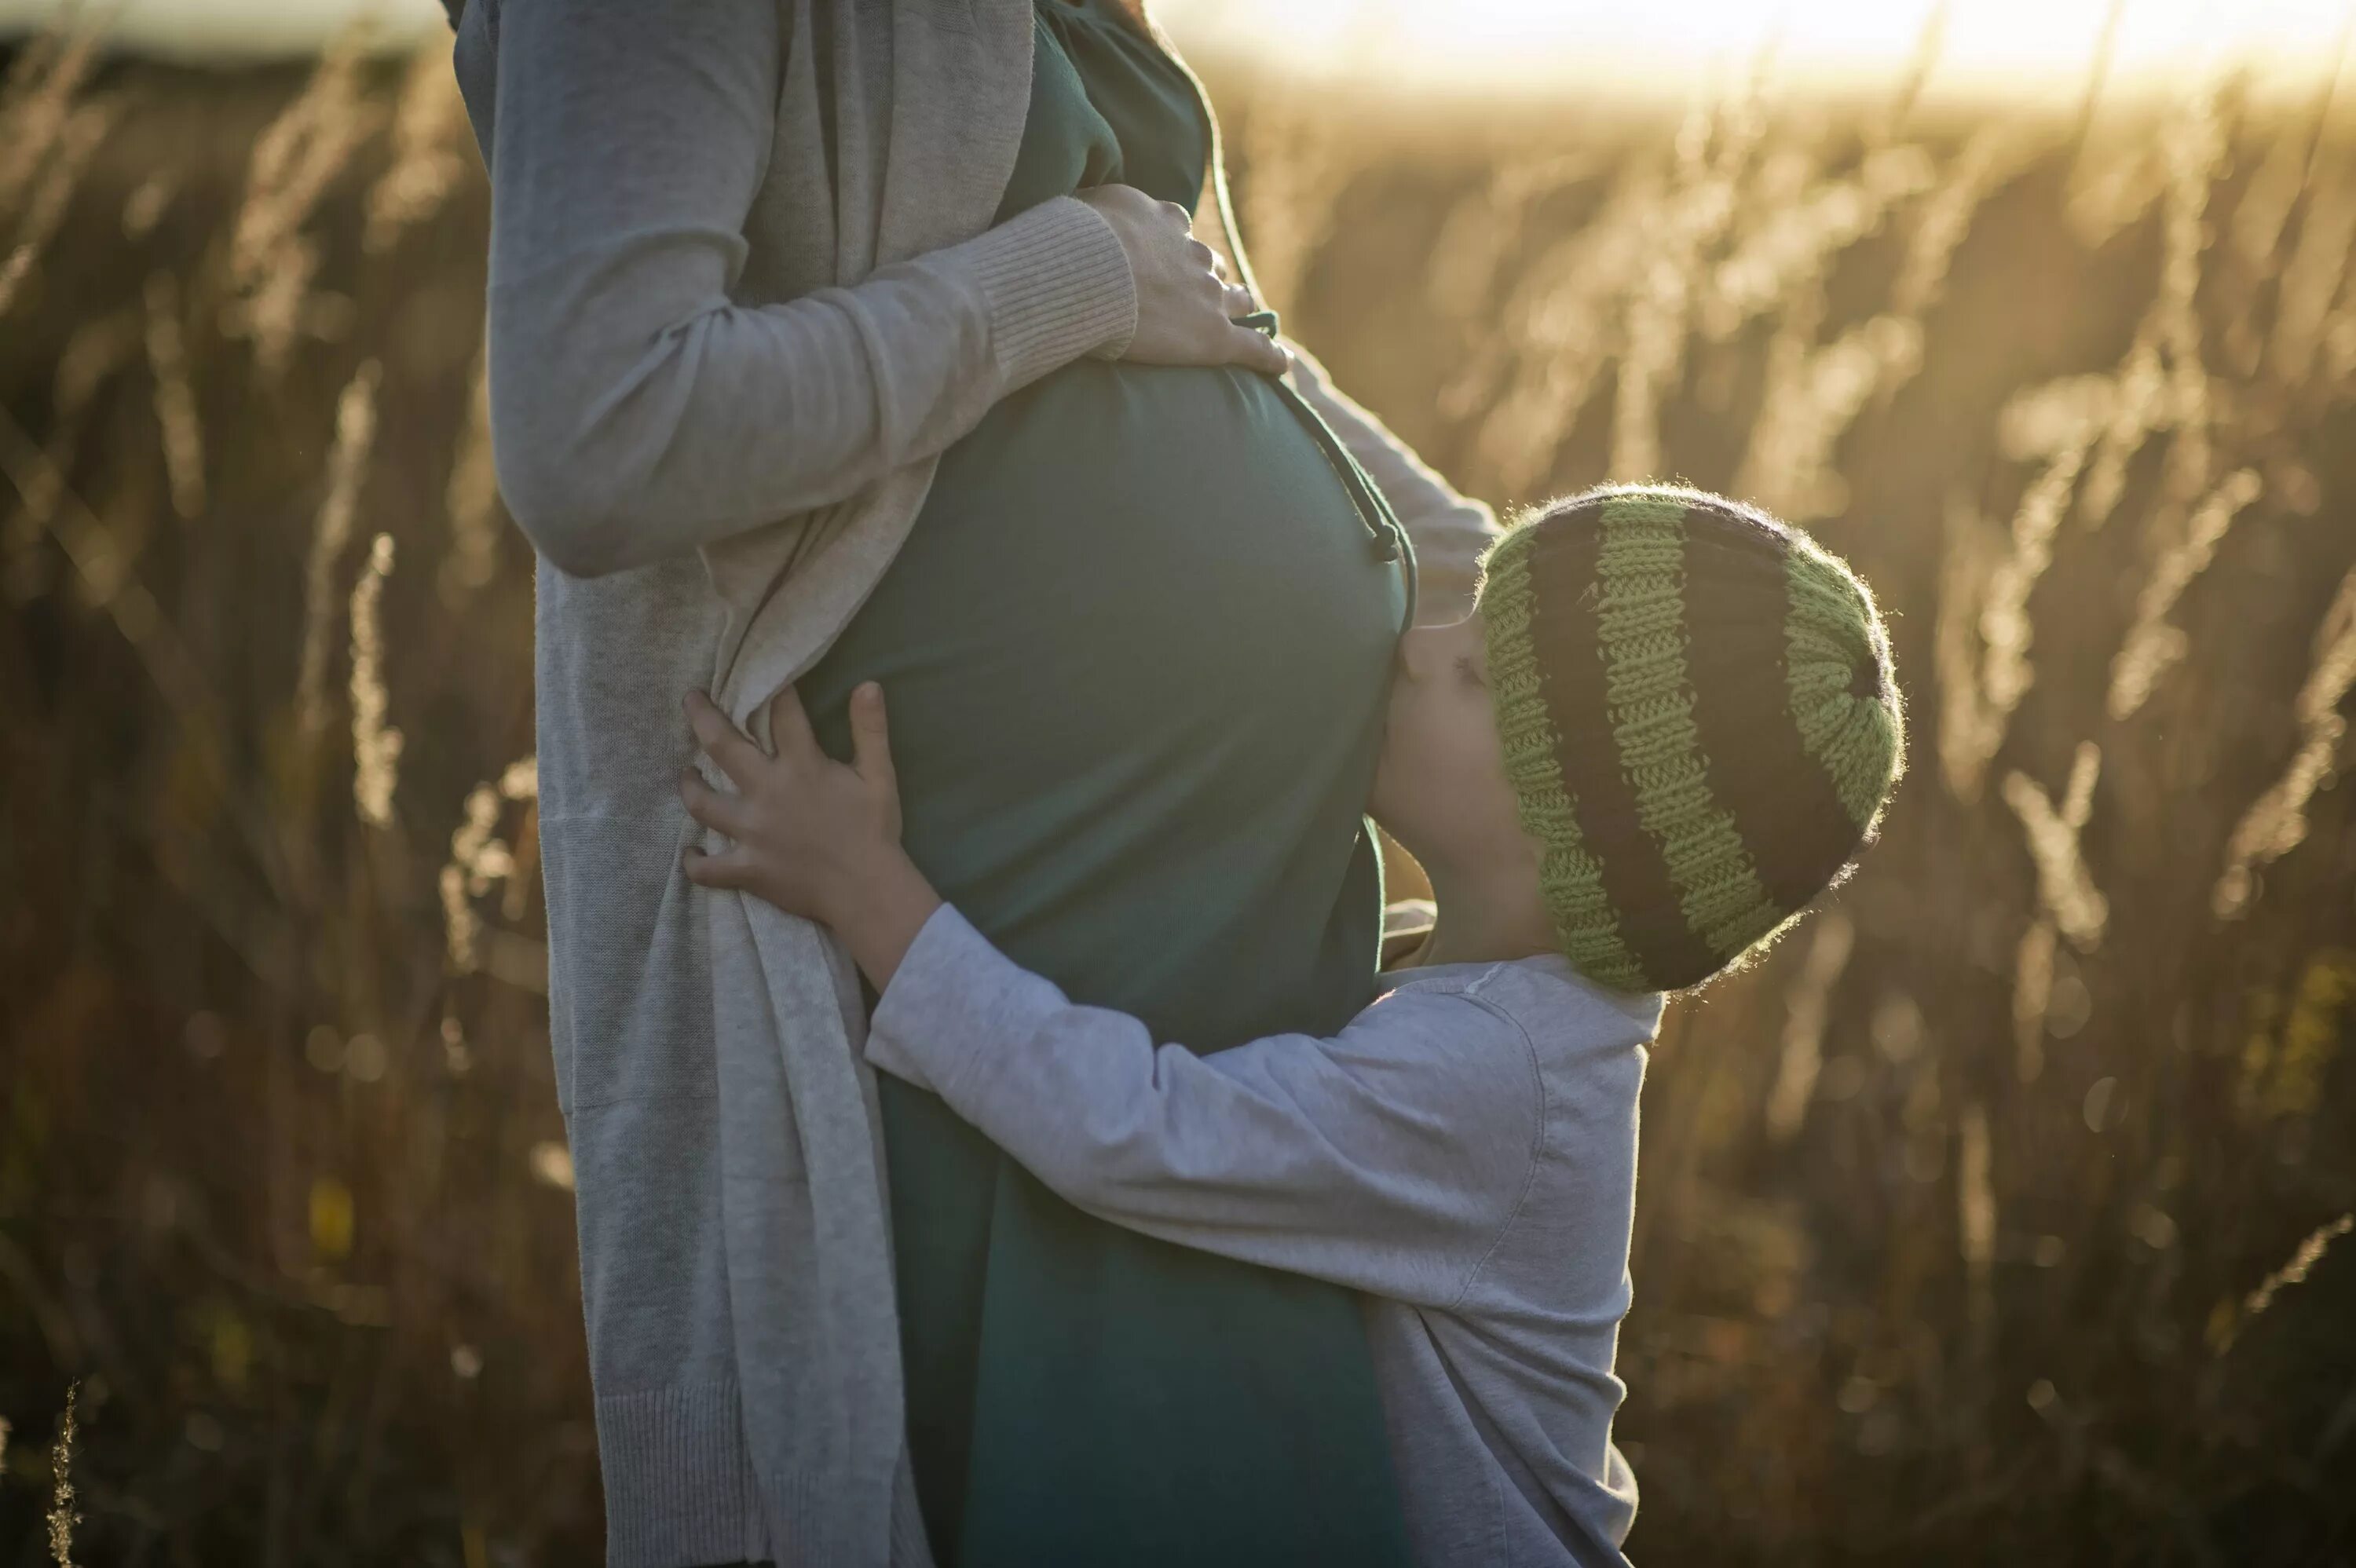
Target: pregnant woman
[877,308]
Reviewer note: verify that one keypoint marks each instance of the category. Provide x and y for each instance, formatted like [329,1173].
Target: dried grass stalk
[479,860]
[1945,216]
[1793,246]
[1813,397]
[1976,1212]
[62,1516]
[36,103]
[376,746]
[1979,690]
[347,467]
[2277,820]
[144,208]
[2294,1271]
[473,500]
[296,161]
[429,150]
[1296,163]
[2032,997]
[77,142]
[2065,887]
[1807,1006]
[175,400]
[96,351]
[2152,646]
[1660,309]
[1558,330]
[2314,275]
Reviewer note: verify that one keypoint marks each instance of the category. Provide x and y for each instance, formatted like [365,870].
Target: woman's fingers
[1260,351]
[870,737]
[722,741]
[722,812]
[1238,301]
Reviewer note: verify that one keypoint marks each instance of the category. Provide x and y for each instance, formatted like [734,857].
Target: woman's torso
[1137,643]
[1135,647]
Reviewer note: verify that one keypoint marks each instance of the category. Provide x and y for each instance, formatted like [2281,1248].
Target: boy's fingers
[871,736]
[722,813]
[732,869]
[722,741]
[789,725]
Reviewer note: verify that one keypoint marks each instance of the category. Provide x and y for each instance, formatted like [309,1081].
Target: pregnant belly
[1135,650]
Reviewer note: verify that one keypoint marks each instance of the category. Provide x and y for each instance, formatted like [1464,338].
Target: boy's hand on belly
[814,836]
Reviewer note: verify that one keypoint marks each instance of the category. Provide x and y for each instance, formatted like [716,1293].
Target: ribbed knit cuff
[679,1480]
[1059,287]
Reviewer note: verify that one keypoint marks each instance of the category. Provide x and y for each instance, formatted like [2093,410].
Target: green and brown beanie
[1700,722]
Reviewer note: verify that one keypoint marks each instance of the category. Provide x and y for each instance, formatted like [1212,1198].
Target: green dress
[1136,649]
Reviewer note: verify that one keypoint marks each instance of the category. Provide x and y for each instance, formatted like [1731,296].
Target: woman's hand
[1186,306]
[814,836]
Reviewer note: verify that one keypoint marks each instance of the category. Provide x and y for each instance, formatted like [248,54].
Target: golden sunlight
[1981,46]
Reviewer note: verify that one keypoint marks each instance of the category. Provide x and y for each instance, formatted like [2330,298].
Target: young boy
[1670,724]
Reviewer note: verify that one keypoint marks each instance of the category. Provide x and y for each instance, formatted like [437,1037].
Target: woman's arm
[638,408]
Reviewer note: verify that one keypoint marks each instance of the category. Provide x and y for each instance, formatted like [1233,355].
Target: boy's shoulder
[1543,997]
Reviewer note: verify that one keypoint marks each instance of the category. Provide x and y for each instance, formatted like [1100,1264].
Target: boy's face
[1439,787]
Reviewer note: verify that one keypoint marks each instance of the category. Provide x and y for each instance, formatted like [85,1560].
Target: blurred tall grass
[1990,1218]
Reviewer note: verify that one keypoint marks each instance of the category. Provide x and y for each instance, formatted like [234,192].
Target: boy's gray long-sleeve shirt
[1464,1152]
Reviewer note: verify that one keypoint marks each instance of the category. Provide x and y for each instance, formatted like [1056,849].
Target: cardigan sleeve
[640,409]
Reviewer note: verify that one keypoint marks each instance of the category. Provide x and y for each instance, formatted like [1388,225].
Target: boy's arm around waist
[1389,1158]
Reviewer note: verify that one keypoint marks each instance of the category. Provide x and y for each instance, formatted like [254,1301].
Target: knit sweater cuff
[679,1481]
[1059,287]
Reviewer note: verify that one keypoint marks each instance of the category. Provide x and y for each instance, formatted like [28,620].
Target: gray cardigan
[744,292]
[1464,1152]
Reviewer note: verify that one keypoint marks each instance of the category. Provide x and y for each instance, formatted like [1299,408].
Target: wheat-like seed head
[347,468]
[38,102]
[2032,997]
[2005,630]
[376,745]
[76,141]
[2276,821]
[296,161]
[175,400]
[429,150]
[472,500]
[2065,886]
[62,1516]
[2152,646]
[1807,1006]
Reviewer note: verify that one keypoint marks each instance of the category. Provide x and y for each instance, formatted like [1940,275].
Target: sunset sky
[1542,45]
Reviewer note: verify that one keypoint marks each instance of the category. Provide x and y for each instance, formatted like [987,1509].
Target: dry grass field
[1998,1216]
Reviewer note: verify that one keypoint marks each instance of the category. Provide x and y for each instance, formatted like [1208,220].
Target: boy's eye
[1470,669]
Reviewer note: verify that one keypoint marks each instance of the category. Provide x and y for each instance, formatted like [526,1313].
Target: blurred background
[1999,1216]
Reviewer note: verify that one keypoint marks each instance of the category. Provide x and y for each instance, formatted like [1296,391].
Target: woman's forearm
[639,410]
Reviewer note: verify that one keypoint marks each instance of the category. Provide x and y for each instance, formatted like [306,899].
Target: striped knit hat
[1700,722]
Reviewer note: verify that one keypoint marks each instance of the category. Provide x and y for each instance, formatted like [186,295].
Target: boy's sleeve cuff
[923,1027]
